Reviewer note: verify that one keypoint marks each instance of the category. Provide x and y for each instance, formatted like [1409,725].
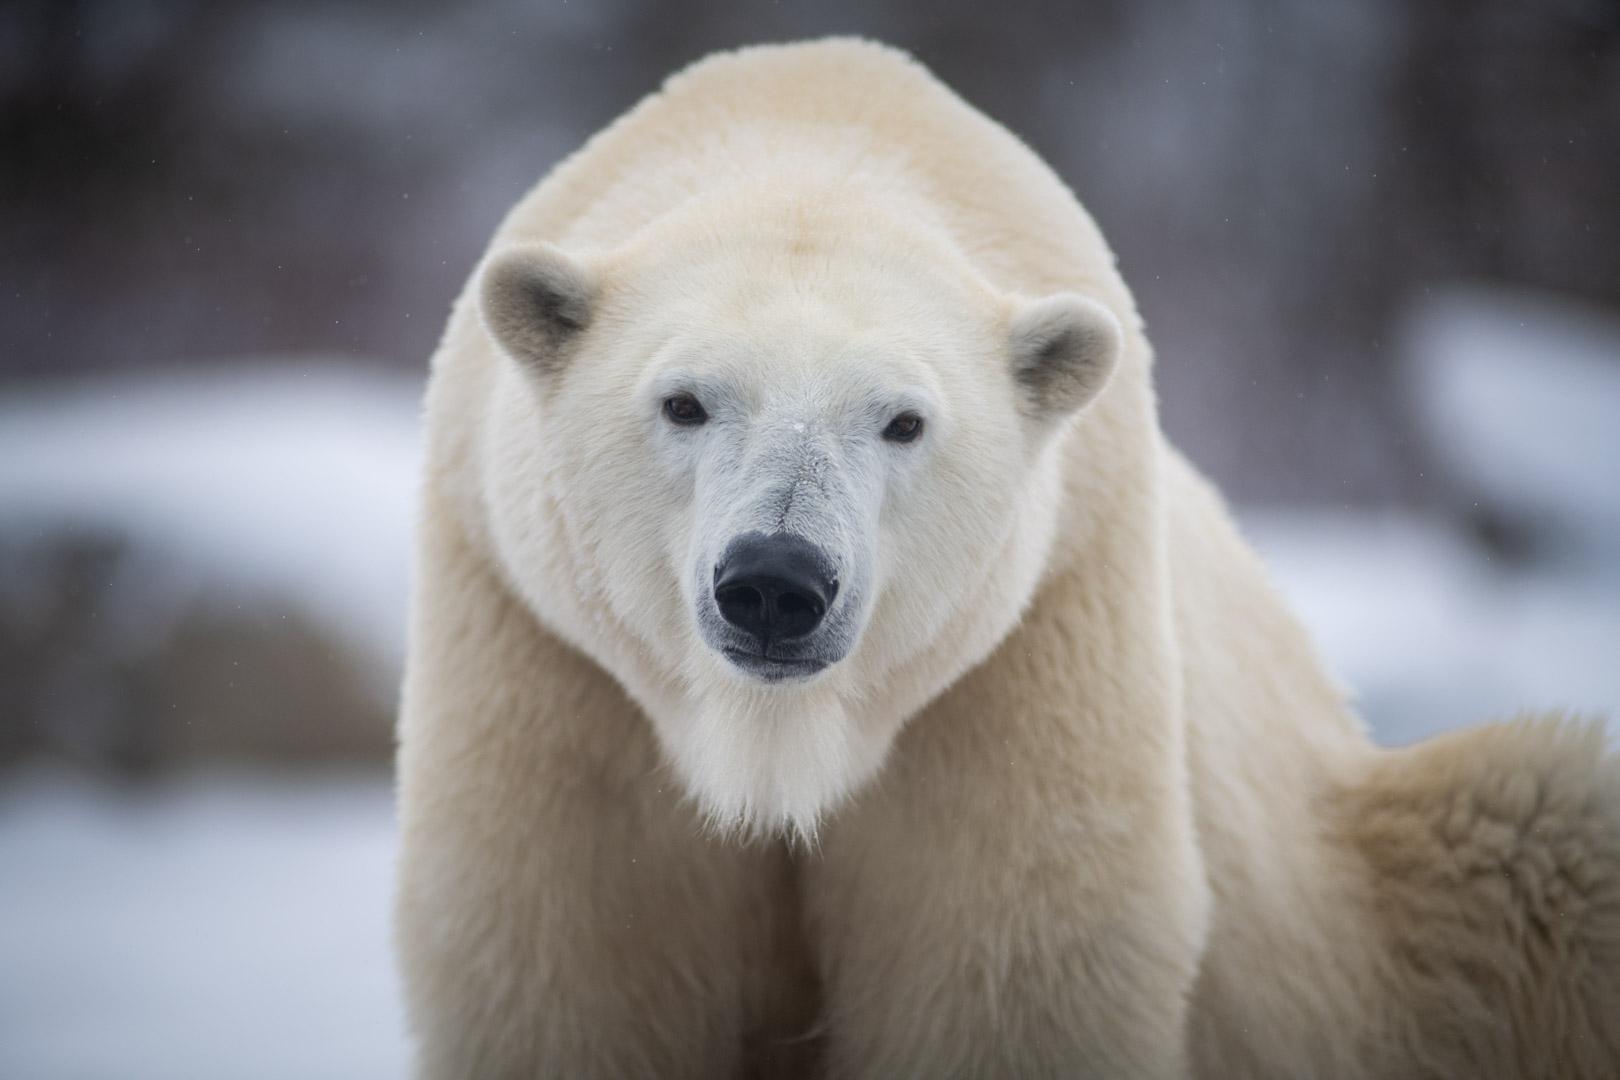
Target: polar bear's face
[776,480]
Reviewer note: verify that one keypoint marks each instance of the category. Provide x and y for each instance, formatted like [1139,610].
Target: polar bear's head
[784,478]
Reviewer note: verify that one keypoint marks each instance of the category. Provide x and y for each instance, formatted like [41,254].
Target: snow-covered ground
[228,925]
[234,924]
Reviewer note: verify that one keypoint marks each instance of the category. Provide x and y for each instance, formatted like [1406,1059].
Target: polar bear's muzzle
[781,564]
[773,593]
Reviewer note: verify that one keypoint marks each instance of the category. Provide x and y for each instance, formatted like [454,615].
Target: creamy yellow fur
[1120,823]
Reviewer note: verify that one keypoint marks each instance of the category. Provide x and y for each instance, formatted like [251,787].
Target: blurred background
[1377,245]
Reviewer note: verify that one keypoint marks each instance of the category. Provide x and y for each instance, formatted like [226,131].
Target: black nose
[776,587]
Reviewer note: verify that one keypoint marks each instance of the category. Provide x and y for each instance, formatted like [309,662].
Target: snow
[224,925]
[1519,395]
[1430,632]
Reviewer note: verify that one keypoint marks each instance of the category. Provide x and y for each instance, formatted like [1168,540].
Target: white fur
[794,343]
[1082,801]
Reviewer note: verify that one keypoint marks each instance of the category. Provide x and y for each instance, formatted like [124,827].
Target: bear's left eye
[684,409]
[904,428]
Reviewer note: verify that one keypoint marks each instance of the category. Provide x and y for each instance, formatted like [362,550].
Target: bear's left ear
[535,301]
[1064,348]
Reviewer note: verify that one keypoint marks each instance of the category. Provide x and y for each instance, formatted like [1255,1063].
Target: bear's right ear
[535,300]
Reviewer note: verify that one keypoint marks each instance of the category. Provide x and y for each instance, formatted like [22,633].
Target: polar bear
[821,665]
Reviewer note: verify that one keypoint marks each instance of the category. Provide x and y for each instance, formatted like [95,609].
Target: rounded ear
[535,300]
[1064,348]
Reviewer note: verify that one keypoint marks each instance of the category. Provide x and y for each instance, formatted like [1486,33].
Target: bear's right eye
[904,428]
[684,409]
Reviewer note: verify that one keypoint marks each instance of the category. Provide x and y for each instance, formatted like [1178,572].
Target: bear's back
[845,111]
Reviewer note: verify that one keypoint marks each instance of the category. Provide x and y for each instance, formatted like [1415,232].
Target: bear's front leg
[1020,893]
[560,912]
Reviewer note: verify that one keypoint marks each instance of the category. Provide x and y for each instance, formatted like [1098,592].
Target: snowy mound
[1430,632]
[295,482]
[205,565]
[1519,396]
